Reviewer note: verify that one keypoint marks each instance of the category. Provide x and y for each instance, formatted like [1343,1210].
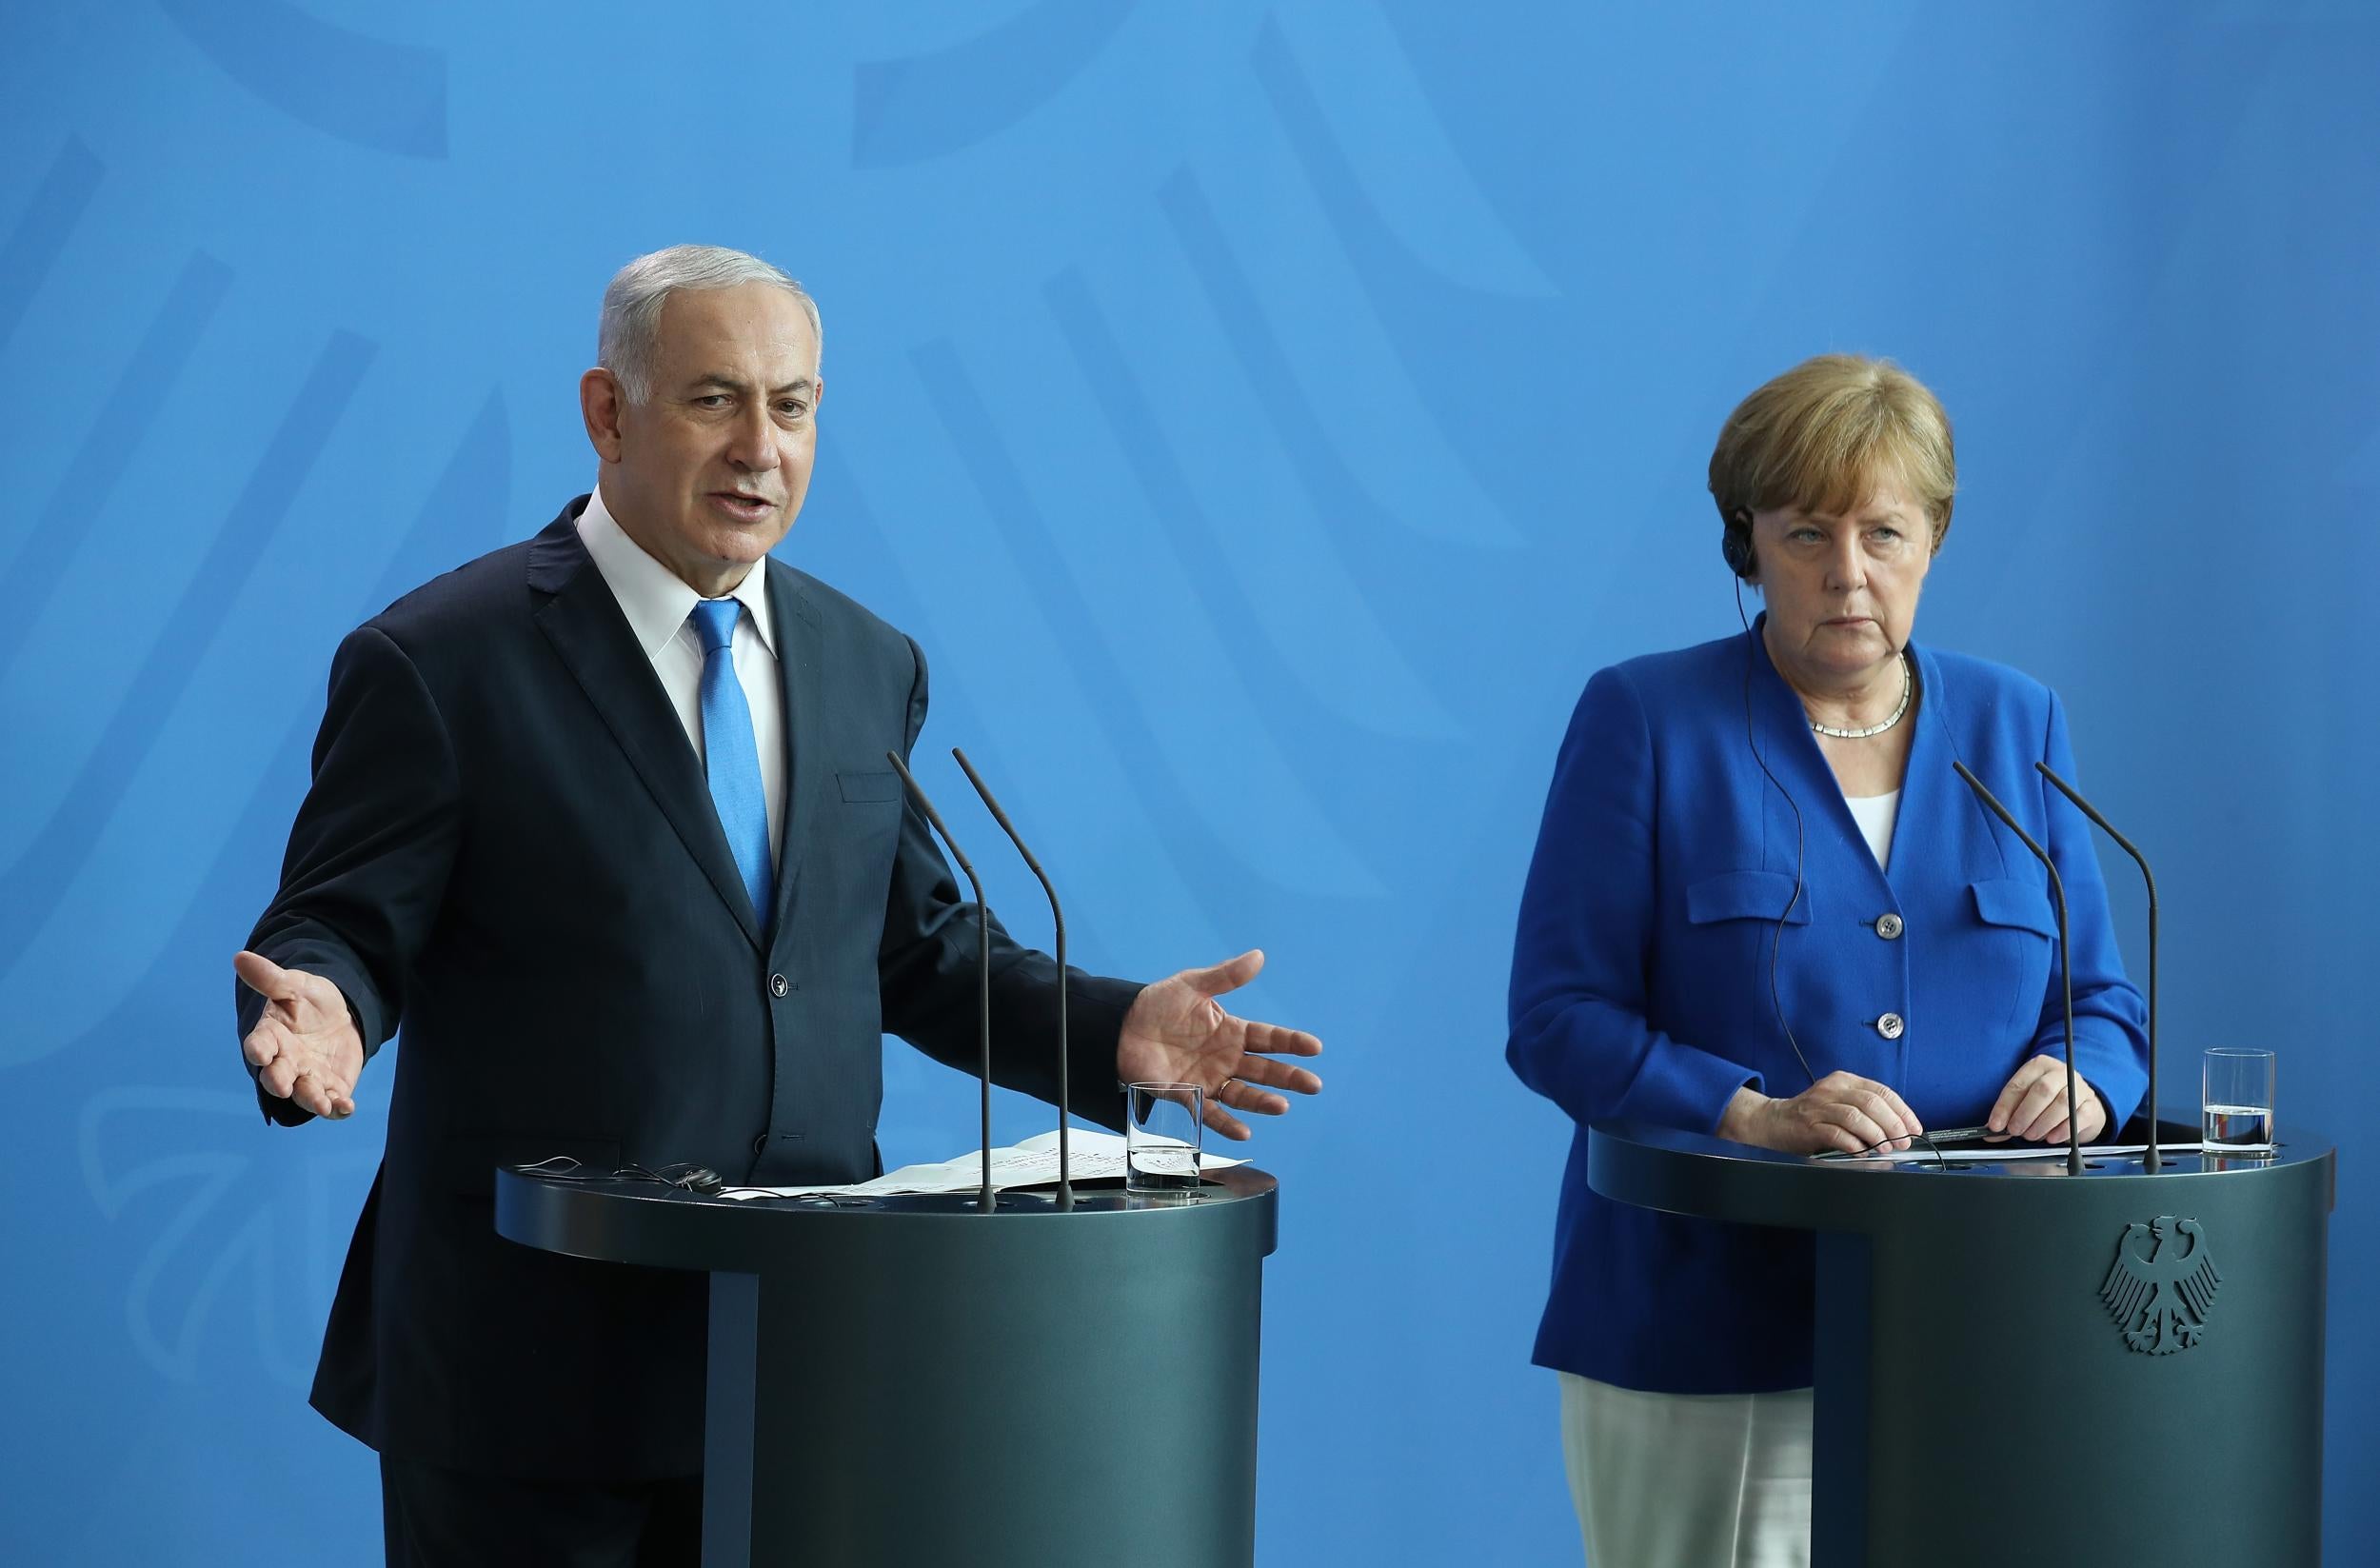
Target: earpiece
[1736,547]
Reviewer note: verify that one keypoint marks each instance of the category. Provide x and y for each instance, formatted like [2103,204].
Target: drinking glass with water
[2237,1102]
[1162,1137]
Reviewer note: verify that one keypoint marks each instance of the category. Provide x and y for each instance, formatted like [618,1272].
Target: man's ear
[602,404]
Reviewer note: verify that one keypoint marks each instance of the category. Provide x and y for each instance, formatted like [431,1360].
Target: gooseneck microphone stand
[986,1199]
[2152,1162]
[2065,958]
[1065,1172]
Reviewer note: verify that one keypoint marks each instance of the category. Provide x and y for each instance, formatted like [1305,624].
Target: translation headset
[1736,549]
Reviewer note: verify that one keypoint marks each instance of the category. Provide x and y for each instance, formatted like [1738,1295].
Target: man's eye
[794,411]
[711,400]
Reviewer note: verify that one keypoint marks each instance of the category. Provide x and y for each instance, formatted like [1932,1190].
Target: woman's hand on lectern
[1841,1112]
[304,1046]
[1178,1033]
[2034,1105]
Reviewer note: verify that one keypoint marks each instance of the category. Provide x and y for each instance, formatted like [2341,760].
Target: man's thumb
[1229,975]
[261,975]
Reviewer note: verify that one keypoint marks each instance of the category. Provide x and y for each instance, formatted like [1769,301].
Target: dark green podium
[2018,1365]
[909,1381]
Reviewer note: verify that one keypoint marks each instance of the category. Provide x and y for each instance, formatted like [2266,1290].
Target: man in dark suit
[603,820]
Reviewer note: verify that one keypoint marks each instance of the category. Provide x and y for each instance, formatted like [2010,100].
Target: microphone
[985,1200]
[1065,1176]
[2153,1161]
[2065,954]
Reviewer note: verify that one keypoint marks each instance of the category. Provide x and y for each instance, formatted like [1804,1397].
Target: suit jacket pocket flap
[868,787]
[2005,900]
[1746,895]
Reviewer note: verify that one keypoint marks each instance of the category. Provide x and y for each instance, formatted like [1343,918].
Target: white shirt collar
[656,600]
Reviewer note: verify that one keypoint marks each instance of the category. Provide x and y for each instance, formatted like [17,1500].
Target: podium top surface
[1697,1174]
[640,1221]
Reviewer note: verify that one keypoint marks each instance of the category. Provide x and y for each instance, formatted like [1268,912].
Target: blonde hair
[1823,435]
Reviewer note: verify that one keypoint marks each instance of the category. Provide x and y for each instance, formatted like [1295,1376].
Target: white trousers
[1688,1480]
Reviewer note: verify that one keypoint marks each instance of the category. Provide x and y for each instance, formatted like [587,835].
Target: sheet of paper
[1091,1156]
[2000,1153]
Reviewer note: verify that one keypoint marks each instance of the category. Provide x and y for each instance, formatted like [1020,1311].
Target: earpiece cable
[1776,939]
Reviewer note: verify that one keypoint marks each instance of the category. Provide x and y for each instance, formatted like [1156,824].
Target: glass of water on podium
[2238,1102]
[1162,1126]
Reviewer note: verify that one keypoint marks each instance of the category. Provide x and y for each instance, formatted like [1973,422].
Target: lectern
[903,1381]
[2018,1365]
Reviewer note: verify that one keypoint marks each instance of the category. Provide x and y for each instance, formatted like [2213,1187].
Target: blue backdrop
[1267,415]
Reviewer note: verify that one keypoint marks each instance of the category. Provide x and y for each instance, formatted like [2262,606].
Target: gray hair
[629,340]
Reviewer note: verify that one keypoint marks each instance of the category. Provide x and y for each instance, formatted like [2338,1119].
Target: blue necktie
[731,757]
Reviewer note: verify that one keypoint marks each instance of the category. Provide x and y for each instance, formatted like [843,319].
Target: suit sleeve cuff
[1098,1007]
[1690,1089]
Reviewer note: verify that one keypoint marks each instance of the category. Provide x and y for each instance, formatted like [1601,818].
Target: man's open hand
[1178,1033]
[305,1047]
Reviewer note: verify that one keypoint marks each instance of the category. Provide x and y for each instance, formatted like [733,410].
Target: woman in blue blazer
[1763,905]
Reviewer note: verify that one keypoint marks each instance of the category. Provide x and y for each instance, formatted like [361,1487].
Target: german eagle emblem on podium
[2162,1285]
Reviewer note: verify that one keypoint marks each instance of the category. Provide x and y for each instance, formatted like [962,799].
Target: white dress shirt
[658,604]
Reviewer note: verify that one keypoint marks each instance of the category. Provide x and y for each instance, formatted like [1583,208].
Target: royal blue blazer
[1641,973]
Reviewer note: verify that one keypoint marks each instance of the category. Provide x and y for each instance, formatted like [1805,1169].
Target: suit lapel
[1792,754]
[582,620]
[801,678]
[1936,799]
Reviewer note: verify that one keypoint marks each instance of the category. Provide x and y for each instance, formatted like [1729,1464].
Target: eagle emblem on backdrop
[2162,1284]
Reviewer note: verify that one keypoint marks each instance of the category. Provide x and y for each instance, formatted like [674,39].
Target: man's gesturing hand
[305,1047]
[1178,1033]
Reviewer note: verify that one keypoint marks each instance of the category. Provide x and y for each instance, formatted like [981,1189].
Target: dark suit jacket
[508,847]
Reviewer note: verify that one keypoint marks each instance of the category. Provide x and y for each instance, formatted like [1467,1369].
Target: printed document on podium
[1091,1156]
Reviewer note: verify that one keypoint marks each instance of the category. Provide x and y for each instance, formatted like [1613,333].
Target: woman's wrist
[1736,1121]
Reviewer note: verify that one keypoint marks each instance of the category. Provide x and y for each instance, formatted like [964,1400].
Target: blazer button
[779,986]
[1888,926]
[1890,1025]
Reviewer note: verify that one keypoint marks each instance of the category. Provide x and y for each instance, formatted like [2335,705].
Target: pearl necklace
[1909,687]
